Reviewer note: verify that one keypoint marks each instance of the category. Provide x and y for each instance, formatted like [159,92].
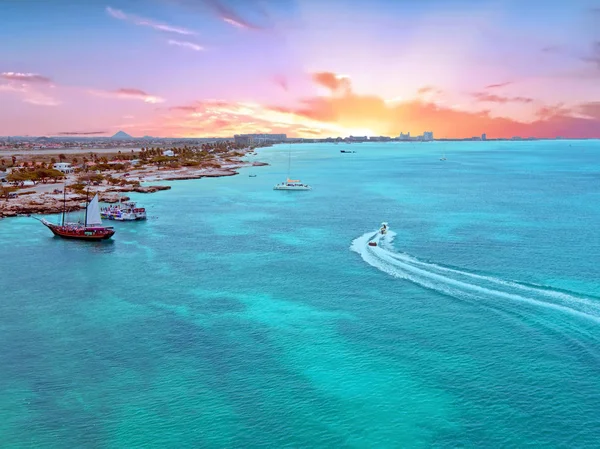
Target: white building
[64,167]
[168,153]
[428,135]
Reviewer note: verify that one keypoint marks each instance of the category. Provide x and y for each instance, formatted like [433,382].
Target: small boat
[372,244]
[384,228]
[443,158]
[90,229]
[252,176]
[291,184]
[123,211]
[347,151]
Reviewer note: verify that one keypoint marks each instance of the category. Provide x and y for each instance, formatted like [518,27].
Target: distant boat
[347,151]
[443,158]
[90,229]
[252,176]
[291,184]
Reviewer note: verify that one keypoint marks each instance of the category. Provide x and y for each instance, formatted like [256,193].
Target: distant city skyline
[305,68]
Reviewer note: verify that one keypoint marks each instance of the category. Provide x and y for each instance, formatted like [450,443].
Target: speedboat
[384,228]
[252,176]
[372,244]
[292,184]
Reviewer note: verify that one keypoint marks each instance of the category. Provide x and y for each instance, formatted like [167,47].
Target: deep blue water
[239,316]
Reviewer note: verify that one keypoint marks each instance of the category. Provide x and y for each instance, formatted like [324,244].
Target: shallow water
[239,316]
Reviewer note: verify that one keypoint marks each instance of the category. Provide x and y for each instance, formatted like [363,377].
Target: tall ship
[123,211]
[90,229]
[291,184]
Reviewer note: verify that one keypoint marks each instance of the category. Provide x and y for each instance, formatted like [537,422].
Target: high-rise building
[246,139]
[428,135]
[404,136]
[484,136]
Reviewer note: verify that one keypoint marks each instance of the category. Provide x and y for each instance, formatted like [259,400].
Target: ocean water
[239,316]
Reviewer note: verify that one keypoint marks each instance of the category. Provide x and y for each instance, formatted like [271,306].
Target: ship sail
[93,213]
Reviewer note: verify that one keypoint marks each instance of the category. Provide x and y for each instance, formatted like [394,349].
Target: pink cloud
[185,44]
[141,21]
[498,85]
[128,94]
[30,86]
[490,98]
[229,16]
[84,133]
[25,77]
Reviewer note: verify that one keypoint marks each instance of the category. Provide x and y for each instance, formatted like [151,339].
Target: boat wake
[469,286]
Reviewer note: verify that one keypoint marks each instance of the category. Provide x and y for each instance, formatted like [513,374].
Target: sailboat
[291,184]
[90,229]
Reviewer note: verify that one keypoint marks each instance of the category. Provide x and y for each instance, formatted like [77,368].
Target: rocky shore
[50,203]
[39,200]
[33,201]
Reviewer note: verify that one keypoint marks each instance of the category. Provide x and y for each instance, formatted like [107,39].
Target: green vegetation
[90,177]
[43,175]
[6,191]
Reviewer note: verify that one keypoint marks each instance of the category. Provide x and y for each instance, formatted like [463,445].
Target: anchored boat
[291,184]
[90,229]
[123,211]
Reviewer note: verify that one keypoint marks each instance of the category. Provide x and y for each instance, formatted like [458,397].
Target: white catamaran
[291,184]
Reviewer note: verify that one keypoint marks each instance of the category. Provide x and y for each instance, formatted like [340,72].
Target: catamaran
[291,184]
[90,229]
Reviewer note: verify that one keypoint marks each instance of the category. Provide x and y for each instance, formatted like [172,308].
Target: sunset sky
[308,68]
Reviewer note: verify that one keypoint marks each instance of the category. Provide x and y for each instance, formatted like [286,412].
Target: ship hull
[81,233]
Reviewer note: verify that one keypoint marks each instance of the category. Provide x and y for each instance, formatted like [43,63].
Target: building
[64,167]
[168,153]
[428,135]
[251,139]
[404,136]
[484,136]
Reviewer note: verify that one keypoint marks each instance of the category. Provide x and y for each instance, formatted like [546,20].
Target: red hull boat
[80,232]
[90,229]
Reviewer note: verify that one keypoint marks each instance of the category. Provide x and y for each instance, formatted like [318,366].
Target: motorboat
[372,243]
[384,228]
[123,211]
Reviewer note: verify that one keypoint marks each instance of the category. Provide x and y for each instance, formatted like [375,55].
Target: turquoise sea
[239,316]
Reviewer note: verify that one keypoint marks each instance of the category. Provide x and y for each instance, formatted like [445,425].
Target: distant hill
[147,137]
[121,135]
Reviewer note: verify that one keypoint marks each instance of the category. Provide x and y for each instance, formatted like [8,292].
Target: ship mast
[289,160]
[87,203]
[64,204]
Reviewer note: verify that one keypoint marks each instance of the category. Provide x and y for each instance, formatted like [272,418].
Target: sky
[307,68]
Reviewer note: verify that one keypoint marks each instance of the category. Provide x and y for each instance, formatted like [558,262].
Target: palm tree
[62,157]
[75,160]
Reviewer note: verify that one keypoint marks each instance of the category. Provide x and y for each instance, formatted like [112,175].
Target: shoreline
[41,199]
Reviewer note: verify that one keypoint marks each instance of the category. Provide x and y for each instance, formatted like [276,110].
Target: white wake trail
[462,284]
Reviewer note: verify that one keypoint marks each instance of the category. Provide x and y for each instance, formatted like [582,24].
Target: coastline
[41,199]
